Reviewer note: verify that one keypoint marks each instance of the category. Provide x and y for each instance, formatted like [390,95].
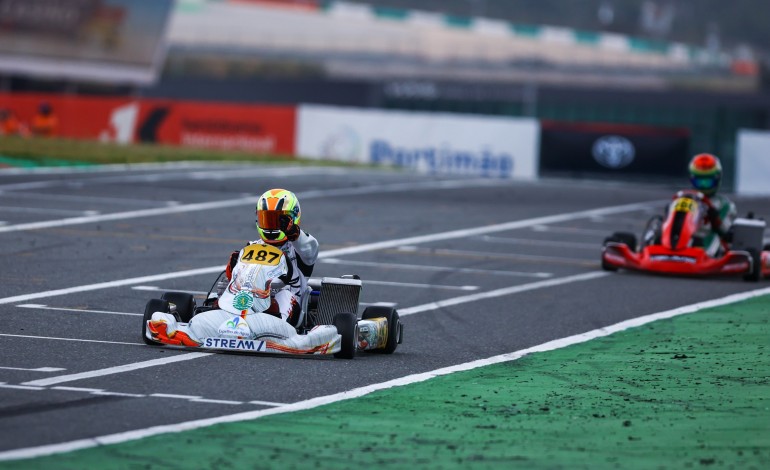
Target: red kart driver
[705,175]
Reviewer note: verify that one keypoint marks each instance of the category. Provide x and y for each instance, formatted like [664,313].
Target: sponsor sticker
[235,327]
[243,300]
[236,344]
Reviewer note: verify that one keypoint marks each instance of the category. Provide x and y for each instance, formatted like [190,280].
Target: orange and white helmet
[277,211]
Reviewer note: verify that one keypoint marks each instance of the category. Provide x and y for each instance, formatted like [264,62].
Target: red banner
[249,128]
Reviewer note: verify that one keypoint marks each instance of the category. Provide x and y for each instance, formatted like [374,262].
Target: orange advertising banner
[222,126]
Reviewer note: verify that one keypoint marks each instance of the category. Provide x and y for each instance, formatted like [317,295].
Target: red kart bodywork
[686,261]
[673,254]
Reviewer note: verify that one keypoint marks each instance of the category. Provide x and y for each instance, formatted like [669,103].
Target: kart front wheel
[624,238]
[394,326]
[154,305]
[347,327]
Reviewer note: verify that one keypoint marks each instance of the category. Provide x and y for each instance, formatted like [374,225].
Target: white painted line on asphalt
[170,395]
[161,289]
[87,199]
[366,390]
[558,244]
[19,387]
[474,231]
[497,255]
[117,369]
[111,284]
[338,252]
[79,340]
[422,286]
[266,403]
[571,230]
[78,389]
[119,394]
[38,369]
[423,267]
[378,304]
[127,215]
[45,307]
[218,402]
[250,200]
[35,210]
[501,292]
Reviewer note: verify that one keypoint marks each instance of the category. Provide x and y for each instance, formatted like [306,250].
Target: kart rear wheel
[394,326]
[185,304]
[756,266]
[154,305]
[347,326]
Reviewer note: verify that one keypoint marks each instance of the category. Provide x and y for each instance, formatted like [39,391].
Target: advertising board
[426,142]
[613,149]
[752,175]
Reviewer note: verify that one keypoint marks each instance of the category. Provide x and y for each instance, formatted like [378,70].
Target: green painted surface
[690,392]
[6,162]
[526,30]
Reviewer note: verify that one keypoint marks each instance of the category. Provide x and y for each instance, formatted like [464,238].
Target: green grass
[44,152]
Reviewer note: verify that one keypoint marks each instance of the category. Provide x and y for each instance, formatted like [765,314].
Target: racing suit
[716,227]
[301,255]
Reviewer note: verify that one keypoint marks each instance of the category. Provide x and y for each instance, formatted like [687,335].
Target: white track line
[418,285]
[72,339]
[38,369]
[361,391]
[571,230]
[161,289]
[116,370]
[527,241]
[111,284]
[341,251]
[423,267]
[44,307]
[501,292]
[514,256]
[249,200]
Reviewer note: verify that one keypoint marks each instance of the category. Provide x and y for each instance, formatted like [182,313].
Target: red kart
[670,245]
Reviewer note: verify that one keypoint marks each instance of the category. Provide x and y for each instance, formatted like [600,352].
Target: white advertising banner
[752,175]
[427,142]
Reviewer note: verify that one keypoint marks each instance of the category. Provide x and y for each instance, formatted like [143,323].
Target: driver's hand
[289,228]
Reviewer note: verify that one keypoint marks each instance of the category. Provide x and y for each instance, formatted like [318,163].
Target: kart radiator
[338,295]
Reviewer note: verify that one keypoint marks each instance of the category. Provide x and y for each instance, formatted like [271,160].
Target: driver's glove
[289,228]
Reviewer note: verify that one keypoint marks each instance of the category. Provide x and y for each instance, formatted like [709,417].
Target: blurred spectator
[10,124]
[45,123]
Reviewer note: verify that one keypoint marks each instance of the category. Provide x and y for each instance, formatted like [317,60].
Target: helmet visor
[704,182]
[269,219]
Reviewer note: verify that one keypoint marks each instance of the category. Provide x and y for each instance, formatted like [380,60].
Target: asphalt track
[478,268]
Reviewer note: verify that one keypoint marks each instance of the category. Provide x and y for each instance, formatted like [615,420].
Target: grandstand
[356,40]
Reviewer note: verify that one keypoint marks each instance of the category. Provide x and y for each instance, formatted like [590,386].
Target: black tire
[756,266]
[623,237]
[154,305]
[608,267]
[347,326]
[391,315]
[185,304]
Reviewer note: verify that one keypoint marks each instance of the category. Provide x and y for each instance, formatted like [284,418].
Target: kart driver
[278,217]
[705,175]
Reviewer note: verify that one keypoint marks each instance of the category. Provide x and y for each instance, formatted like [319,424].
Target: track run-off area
[484,274]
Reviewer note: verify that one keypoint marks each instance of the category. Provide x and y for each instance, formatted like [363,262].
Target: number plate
[261,254]
[684,205]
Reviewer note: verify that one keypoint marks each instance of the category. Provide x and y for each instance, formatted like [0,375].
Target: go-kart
[671,246]
[232,317]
